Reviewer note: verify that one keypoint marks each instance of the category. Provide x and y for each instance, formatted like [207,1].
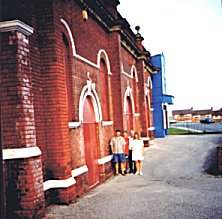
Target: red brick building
[72,71]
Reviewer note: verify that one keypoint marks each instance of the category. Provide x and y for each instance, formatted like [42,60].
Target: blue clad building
[160,99]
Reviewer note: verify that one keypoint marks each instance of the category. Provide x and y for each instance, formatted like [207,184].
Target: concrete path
[174,185]
[199,127]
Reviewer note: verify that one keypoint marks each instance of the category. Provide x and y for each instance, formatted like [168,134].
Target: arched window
[149,93]
[149,101]
[67,63]
[129,109]
[135,91]
[104,88]
[129,115]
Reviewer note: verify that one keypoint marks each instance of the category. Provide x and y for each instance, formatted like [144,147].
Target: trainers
[136,173]
[141,173]
[123,173]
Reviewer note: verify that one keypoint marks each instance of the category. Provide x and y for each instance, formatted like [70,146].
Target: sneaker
[123,173]
[136,173]
[141,173]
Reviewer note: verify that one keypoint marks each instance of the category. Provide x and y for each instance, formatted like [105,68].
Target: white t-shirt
[137,149]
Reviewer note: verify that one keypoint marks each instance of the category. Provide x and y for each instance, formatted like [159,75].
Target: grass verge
[175,131]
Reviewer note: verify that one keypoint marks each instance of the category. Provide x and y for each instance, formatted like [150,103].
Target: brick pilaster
[142,105]
[115,50]
[58,164]
[24,180]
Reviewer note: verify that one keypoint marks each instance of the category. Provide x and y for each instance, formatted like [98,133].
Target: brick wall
[77,147]
[105,134]
[128,60]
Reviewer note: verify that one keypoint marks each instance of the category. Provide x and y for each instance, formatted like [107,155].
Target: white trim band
[102,54]
[90,90]
[107,123]
[86,61]
[16,25]
[104,160]
[21,153]
[60,183]
[127,74]
[81,58]
[78,171]
[74,125]
[151,128]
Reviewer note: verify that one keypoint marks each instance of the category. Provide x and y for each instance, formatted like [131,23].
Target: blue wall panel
[158,96]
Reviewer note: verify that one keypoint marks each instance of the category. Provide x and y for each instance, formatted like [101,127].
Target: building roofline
[109,22]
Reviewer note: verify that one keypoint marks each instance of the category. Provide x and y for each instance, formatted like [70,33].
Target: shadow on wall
[211,163]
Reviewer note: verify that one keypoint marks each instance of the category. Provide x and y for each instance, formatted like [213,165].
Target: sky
[189,33]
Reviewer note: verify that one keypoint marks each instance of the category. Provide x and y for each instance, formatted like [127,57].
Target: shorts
[119,158]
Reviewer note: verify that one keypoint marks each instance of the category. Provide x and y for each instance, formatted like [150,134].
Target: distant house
[197,115]
[160,98]
[183,115]
[217,115]
[190,115]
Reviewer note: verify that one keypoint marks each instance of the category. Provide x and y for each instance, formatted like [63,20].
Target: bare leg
[140,167]
[137,167]
[116,168]
[123,164]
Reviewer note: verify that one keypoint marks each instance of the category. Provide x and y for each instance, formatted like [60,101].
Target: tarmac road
[174,185]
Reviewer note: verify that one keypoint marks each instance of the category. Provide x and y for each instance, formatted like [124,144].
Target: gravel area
[174,185]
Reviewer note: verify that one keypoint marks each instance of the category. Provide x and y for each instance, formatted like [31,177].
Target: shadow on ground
[211,163]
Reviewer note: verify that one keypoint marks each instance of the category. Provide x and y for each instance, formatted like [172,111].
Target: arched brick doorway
[90,129]
[129,114]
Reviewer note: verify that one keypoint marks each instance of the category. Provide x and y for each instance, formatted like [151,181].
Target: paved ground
[174,185]
[213,127]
